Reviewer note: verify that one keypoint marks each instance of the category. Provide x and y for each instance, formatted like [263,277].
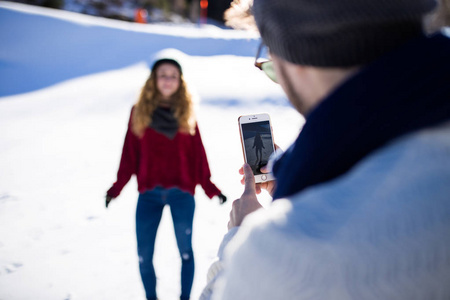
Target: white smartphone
[257,143]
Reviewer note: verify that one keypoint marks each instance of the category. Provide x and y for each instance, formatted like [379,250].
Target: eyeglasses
[265,64]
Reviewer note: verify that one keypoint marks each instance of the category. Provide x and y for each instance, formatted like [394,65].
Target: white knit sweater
[381,231]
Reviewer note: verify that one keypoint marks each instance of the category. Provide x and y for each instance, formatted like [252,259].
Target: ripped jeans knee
[187,256]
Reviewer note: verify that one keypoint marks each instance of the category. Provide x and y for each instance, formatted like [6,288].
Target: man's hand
[269,186]
[248,202]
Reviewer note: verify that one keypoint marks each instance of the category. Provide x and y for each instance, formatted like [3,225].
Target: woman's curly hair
[148,102]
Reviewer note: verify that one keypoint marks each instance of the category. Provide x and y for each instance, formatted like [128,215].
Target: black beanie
[341,33]
[171,61]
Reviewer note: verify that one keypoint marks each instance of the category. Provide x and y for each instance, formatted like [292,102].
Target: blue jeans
[148,215]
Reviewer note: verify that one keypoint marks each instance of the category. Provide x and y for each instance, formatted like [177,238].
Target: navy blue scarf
[405,90]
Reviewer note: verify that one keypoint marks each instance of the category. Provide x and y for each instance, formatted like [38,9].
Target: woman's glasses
[265,64]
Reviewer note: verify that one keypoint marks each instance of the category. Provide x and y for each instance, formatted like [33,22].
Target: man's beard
[296,100]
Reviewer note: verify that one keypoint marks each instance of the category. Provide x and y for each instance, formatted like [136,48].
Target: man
[362,206]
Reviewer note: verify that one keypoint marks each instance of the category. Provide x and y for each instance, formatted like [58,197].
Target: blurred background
[68,79]
[143,11]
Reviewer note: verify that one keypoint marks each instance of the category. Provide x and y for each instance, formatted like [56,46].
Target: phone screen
[258,144]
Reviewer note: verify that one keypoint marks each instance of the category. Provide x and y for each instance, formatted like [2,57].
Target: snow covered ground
[67,84]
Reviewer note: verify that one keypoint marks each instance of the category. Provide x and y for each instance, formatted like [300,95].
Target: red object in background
[203,11]
[141,16]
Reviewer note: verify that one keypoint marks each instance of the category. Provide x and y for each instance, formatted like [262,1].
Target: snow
[67,84]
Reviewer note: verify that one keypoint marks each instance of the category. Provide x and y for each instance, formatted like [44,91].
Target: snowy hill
[67,84]
[43,46]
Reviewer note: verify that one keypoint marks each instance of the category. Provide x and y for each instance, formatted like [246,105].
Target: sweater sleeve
[260,263]
[202,171]
[129,161]
[216,269]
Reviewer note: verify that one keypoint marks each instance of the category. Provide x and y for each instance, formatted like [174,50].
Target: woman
[164,149]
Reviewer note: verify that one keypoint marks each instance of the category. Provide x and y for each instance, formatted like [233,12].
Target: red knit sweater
[157,160]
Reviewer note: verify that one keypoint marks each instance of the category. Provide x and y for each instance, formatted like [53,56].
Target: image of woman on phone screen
[163,148]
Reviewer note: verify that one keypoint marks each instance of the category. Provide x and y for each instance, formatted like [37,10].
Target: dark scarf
[402,92]
[164,122]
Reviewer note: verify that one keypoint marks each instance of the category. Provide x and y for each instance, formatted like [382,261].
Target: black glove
[222,198]
[107,200]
